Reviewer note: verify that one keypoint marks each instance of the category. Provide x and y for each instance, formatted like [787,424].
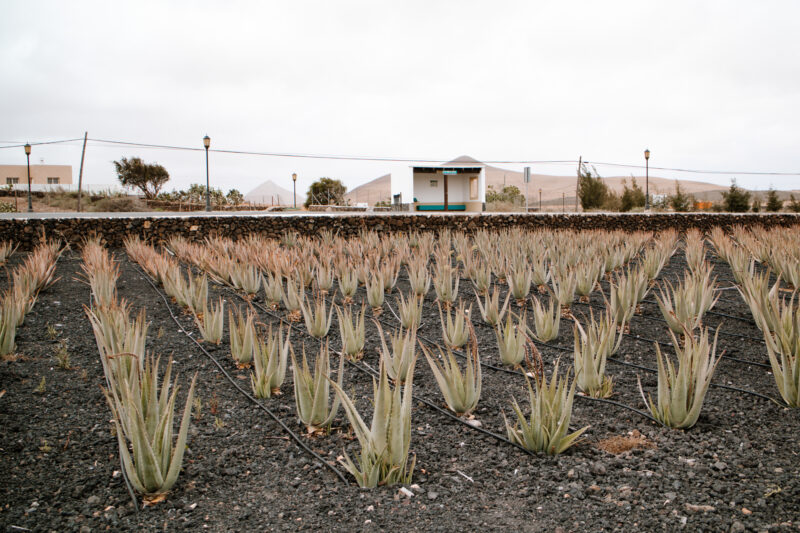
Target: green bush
[632,196]
[736,200]
[773,202]
[680,202]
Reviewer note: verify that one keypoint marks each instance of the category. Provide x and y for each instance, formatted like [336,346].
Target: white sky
[703,84]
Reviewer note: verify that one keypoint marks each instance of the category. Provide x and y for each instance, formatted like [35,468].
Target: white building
[459,185]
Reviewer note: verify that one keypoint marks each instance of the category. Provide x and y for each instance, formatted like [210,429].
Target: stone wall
[75,228]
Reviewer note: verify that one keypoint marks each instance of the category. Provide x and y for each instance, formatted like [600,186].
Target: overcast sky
[705,85]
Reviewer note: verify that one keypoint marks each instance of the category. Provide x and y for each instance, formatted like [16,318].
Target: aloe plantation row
[515,328]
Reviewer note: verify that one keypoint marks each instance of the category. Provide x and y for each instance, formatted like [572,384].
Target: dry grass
[624,443]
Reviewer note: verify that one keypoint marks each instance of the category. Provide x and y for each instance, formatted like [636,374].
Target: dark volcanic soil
[737,470]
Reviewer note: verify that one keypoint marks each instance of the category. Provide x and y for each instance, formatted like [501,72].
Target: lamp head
[27,149]
[294,176]
[647,153]
[206,141]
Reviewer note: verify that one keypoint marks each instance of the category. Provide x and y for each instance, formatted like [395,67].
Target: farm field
[251,464]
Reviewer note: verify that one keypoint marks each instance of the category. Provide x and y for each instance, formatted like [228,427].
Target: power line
[397,159]
[39,143]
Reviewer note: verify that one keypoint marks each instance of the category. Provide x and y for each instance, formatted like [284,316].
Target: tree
[149,178]
[509,193]
[794,205]
[592,190]
[756,207]
[680,202]
[736,200]
[234,197]
[632,197]
[773,202]
[326,191]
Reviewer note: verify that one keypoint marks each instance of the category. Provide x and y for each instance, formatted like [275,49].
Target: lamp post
[28,157]
[540,200]
[564,202]
[647,179]
[294,189]
[207,143]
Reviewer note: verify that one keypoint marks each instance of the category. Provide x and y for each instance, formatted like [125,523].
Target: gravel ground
[736,470]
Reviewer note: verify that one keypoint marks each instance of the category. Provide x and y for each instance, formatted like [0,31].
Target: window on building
[473,188]
[12,181]
[434,183]
[52,181]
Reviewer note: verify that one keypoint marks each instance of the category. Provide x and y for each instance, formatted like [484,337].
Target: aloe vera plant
[491,312]
[546,322]
[7,249]
[461,391]
[481,277]
[197,293]
[519,283]
[324,278]
[293,298]
[445,283]
[317,318]
[512,341]
[685,304]
[681,391]
[273,290]
[783,349]
[269,360]
[211,322]
[410,310]
[242,333]
[418,277]
[384,454]
[143,417]
[564,284]
[591,351]
[312,391]
[402,355]
[545,430]
[375,291]
[352,332]
[348,284]
[115,333]
[8,327]
[456,327]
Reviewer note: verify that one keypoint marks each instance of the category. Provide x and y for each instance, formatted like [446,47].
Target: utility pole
[578,182]
[80,173]
[526,176]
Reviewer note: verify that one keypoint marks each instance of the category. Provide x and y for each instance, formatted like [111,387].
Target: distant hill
[552,186]
[269,193]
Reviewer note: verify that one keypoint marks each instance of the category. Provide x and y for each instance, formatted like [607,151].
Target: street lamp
[294,189]
[28,157]
[540,200]
[647,179]
[207,143]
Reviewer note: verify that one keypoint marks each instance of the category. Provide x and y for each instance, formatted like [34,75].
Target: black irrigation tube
[247,395]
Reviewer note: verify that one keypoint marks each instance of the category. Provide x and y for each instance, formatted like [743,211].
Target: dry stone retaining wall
[113,230]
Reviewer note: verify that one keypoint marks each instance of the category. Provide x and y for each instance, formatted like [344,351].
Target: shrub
[736,200]
[679,201]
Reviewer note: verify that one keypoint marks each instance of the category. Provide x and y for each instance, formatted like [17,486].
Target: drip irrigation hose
[247,395]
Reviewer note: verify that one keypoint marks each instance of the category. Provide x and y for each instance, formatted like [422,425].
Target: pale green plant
[102,280]
[246,278]
[545,430]
[418,276]
[592,347]
[681,392]
[481,277]
[242,333]
[374,287]
[461,391]
[490,309]
[317,318]
[685,304]
[143,418]
[197,291]
[7,249]
[546,321]
[695,250]
[211,322]
[269,361]
[21,301]
[564,284]
[175,284]
[384,454]
[8,327]
[324,277]
[758,295]
[115,333]
[783,347]
[352,332]
[445,283]
[512,341]
[348,285]
[273,290]
[519,283]
[456,326]
[410,310]
[402,355]
[312,391]
[390,270]
[587,274]
[293,298]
